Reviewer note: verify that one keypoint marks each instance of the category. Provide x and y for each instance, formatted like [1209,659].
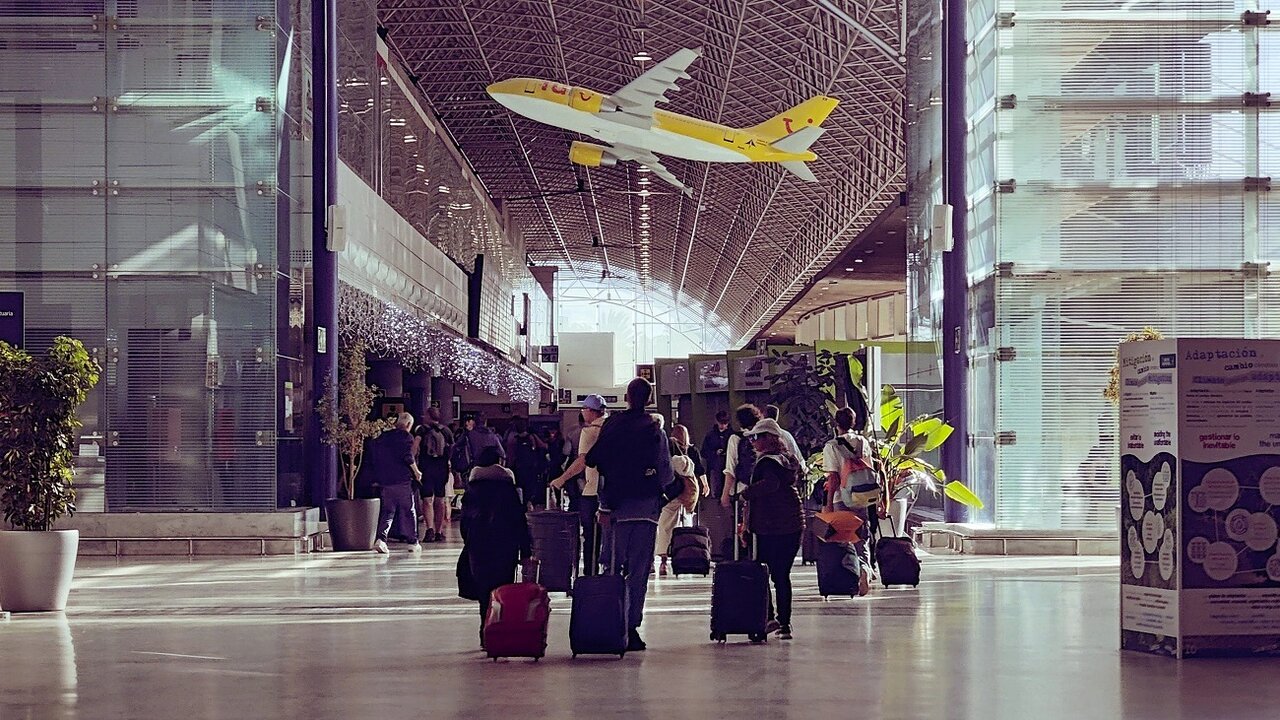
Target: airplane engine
[591,155]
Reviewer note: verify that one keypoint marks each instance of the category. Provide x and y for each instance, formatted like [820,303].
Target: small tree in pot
[344,419]
[39,397]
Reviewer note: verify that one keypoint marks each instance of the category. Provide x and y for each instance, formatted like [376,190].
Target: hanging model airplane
[629,121]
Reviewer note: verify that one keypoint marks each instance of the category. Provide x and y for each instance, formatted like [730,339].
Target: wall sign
[549,354]
[13,328]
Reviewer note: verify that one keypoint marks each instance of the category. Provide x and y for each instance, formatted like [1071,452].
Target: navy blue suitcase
[690,551]
[837,569]
[740,598]
[555,535]
[598,620]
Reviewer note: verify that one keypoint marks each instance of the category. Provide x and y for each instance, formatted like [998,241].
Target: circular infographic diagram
[1230,528]
[1149,520]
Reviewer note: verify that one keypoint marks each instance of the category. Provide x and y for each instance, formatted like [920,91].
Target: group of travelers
[631,484]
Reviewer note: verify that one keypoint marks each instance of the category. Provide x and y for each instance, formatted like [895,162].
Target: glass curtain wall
[138,162]
[1117,158]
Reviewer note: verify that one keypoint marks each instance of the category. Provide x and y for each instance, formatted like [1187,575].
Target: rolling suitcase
[740,597]
[809,541]
[598,620]
[555,534]
[516,625]
[897,561]
[690,551]
[837,569]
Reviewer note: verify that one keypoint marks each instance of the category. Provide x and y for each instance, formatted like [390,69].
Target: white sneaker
[381,547]
[415,548]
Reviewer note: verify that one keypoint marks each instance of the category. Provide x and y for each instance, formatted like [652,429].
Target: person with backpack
[495,532]
[740,462]
[851,480]
[694,487]
[432,441]
[774,514]
[634,459]
[527,454]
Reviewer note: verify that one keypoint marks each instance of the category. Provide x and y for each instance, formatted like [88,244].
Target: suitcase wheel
[717,637]
[758,639]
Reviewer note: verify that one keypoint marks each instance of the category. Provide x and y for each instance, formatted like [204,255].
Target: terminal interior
[973,213]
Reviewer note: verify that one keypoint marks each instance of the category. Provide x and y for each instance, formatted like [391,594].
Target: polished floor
[367,636]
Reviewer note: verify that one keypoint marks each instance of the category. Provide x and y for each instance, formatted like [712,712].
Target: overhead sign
[646,372]
[12,323]
[549,354]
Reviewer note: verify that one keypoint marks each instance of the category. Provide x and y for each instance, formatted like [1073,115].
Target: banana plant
[904,442]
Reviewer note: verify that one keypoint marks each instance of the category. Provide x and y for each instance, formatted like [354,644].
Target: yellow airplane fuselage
[583,110]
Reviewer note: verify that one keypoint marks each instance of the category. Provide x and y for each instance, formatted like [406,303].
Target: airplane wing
[636,99]
[651,161]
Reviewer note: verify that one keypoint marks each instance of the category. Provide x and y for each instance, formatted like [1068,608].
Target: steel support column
[321,459]
[955,285]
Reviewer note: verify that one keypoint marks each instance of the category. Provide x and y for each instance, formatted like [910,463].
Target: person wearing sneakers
[593,413]
[392,464]
[774,513]
[432,442]
[848,444]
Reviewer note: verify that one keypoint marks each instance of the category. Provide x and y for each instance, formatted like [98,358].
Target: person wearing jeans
[633,456]
[593,412]
[393,465]
[774,514]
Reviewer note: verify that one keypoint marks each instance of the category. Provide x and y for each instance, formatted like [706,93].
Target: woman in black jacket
[495,533]
[774,514]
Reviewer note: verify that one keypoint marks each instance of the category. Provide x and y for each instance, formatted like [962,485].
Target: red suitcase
[517,621]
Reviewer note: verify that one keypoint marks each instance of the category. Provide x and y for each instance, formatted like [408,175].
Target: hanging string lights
[389,331]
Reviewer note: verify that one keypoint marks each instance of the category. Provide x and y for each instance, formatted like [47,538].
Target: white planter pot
[36,569]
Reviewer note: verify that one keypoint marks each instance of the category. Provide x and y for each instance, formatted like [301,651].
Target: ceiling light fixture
[858,260]
[644,206]
[642,56]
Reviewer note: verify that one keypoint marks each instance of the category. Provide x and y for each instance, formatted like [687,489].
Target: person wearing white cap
[594,411]
[774,514]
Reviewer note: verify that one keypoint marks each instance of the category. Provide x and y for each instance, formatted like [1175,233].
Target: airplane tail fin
[800,170]
[811,112]
[798,141]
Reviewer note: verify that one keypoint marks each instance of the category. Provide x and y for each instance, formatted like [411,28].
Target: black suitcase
[690,551]
[809,541]
[598,621]
[896,558]
[555,534]
[837,569]
[740,598]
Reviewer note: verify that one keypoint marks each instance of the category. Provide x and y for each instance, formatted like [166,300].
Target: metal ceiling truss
[751,237]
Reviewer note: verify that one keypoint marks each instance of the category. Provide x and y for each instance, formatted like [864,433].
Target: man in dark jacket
[634,459]
[432,441]
[392,465]
[717,519]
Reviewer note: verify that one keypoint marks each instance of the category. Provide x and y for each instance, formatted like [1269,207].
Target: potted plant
[39,397]
[345,423]
[899,452]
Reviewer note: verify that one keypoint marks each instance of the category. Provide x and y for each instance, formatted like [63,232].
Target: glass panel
[191,247]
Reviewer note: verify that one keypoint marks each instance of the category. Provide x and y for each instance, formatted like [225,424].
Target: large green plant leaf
[925,426]
[938,436]
[957,491]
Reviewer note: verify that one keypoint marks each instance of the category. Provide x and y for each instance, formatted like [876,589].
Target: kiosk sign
[1200,496]
[12,322]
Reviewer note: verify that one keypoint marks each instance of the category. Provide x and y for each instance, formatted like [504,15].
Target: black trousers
[779,552]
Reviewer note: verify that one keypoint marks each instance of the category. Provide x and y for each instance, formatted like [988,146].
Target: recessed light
[858,260]
[848,269]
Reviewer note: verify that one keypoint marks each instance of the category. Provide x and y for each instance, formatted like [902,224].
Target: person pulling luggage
[774,514]
[634,459]
[593,416]
[495,533]
[851,449]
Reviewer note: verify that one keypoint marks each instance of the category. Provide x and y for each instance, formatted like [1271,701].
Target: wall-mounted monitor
[673,379]
[712,376]
[751,373]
